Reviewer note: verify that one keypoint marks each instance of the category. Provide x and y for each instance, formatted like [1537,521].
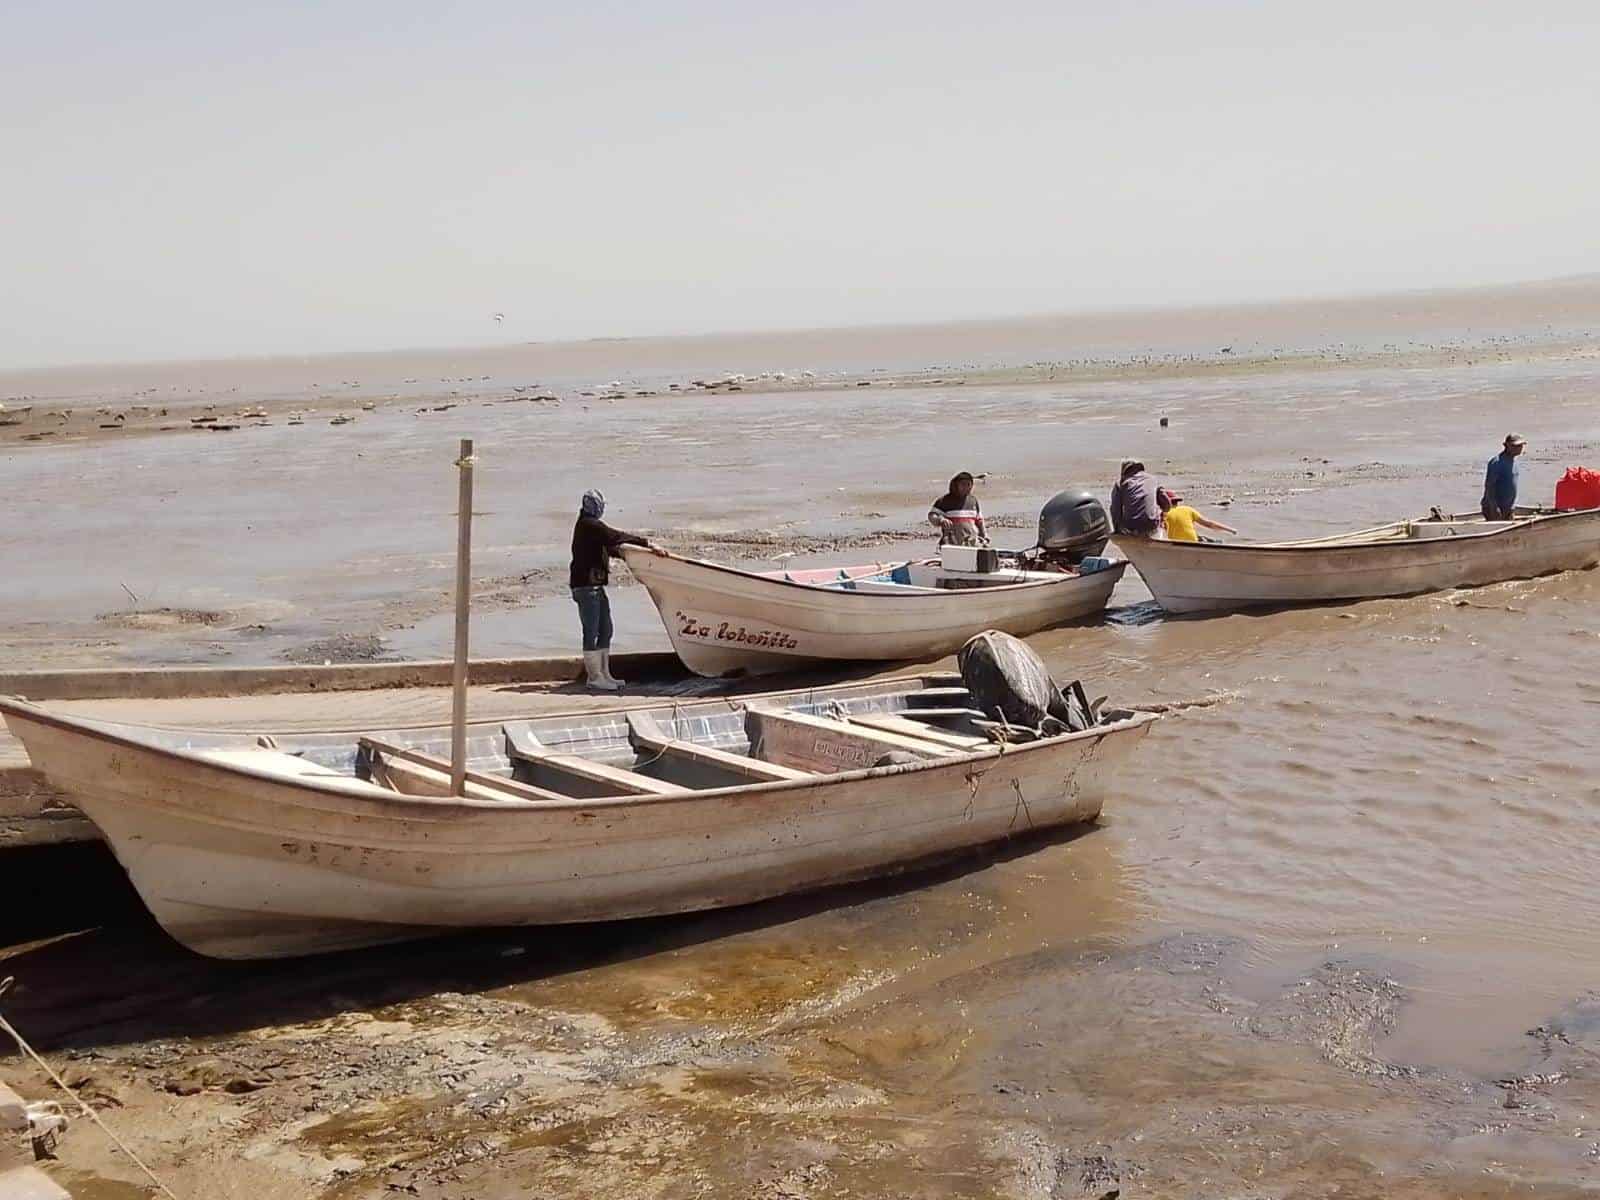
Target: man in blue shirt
[1500,481]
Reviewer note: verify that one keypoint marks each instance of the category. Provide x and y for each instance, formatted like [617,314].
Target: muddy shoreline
[1333,937]
[743,1054]
[28,419]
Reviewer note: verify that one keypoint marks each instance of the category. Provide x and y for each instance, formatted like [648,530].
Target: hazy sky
[214,179]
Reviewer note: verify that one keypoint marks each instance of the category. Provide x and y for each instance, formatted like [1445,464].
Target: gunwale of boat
[1391,534]
[366,793]
[1401,559]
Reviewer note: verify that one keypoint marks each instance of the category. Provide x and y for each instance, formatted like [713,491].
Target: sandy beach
[1335,939]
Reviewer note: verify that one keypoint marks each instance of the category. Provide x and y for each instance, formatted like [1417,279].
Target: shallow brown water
[1406,780]
[289,536]
[1302,948]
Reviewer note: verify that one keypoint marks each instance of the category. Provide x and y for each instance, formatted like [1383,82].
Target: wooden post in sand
[458,702]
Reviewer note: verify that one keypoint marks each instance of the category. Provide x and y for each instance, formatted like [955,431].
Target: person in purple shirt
[1500,481]
[1134,509]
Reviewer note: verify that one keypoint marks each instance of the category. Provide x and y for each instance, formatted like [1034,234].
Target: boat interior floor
[908,578]
[664,752]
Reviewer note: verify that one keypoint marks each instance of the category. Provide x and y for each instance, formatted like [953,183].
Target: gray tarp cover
[1009,681]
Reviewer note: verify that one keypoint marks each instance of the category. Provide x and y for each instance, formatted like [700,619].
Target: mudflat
[1336,933]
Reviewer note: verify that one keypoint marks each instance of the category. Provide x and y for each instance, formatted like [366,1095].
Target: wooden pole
[458,704]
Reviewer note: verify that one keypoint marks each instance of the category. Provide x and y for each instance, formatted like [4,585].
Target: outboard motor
[1072,526]
[1010,684]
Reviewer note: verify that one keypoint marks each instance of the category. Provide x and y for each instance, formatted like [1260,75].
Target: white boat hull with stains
[1403,559]
[245,851]
[723,621]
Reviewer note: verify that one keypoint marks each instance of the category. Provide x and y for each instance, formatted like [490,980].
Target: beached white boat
[247,847]
[365,695]
[724,621]
[1400,559]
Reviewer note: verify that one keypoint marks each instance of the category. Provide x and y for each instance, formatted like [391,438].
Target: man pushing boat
[594,545]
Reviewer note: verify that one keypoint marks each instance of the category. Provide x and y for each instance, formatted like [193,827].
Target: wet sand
[1337,934]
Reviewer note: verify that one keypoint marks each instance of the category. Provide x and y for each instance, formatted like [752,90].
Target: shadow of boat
[83,980]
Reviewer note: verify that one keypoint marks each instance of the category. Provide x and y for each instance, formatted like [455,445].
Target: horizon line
[799,330]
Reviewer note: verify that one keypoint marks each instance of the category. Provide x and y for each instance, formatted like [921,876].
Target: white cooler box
[975,560]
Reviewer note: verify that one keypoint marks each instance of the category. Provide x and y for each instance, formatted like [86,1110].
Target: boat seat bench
[647,734]
[938,693]
[415,773]
[271,762]
[827,746]
[586,777]
[894,723]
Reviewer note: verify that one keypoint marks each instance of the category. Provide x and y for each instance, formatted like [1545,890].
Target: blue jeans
[594,610]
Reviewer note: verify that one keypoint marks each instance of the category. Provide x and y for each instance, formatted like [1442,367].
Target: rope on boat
[1016,786]
[87,1111]
[976,777]
[1199,703]
[677,706]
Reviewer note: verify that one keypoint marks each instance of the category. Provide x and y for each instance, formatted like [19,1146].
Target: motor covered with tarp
[1012,687]
[1073,525]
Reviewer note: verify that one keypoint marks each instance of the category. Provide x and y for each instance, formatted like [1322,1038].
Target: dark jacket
[1133,505]
[594,544]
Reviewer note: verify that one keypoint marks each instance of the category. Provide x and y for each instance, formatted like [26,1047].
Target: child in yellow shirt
[1180,520]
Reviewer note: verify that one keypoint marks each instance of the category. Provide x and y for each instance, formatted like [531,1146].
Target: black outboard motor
[1072,526]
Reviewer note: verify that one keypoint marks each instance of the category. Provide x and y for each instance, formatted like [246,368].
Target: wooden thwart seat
[415,773]
[956,696]
[894,723]
[271,762]
[647,734]
[827,746]
[588,777]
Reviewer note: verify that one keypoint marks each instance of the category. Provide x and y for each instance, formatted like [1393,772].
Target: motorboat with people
[1401,558]
[724,620]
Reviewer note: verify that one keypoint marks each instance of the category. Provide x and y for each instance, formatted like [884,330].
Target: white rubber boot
[598,678]
[605,669]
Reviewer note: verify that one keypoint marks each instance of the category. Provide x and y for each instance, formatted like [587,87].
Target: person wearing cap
[1500,481]
[1133,502]
[594,545]
[957,515]
[1180,520]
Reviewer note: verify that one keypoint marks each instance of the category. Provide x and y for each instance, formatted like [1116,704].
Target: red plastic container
[1578,488]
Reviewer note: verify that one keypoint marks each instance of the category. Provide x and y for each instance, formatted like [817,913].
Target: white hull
[724,621]
[1399,560]
[239,862]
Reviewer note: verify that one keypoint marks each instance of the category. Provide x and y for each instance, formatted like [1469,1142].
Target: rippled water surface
[1412,780]
[1403,791]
